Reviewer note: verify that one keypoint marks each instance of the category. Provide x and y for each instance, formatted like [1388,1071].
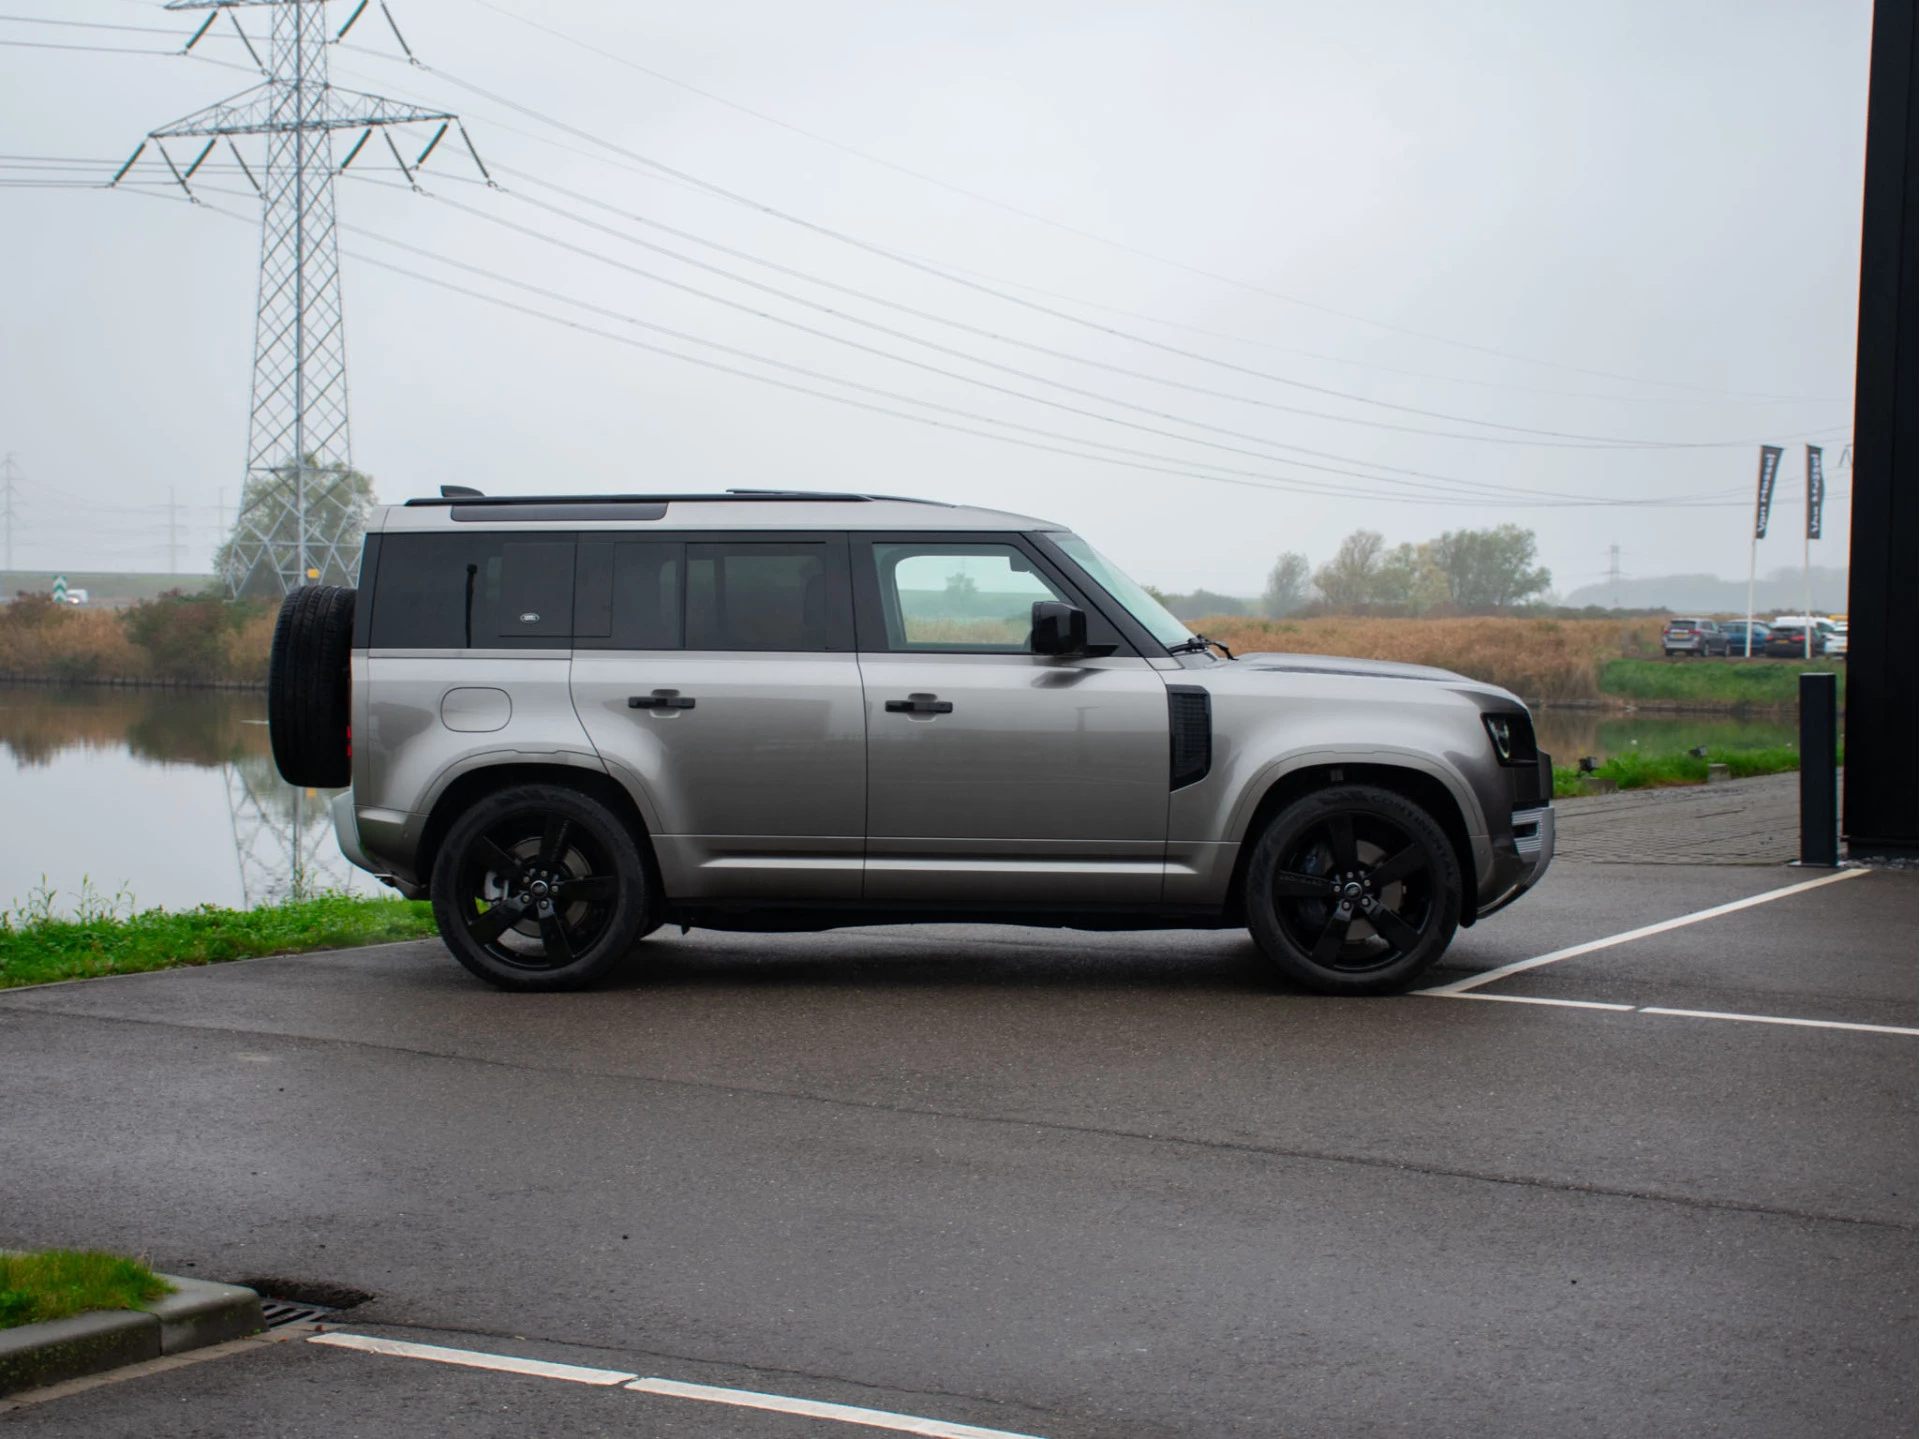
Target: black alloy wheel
[1353,890]
[540,887]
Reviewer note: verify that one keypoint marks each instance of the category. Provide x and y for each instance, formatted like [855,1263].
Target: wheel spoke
[1332,938]
[1393,929]
[1291,884]
[1410,860]
[553,840]
[1340,835]
[487,927]
[499,861]
[591,887]
[554,934]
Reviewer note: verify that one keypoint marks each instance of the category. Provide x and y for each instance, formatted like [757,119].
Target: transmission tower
[1613,574]
[299,506]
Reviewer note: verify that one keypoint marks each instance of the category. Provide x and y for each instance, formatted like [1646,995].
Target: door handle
[920,705]
[660,700]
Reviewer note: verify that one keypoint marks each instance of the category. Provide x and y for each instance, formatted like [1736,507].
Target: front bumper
[1533,842]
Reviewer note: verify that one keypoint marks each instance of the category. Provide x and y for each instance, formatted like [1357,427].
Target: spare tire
[308,682]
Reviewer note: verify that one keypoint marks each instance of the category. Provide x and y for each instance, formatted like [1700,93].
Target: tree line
[1458,571]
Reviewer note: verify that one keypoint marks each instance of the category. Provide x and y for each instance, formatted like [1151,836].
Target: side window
[629,595]
[478,591]
[767,595]
[958,597]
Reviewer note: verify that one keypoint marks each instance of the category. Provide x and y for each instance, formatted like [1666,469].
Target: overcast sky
[1630,222]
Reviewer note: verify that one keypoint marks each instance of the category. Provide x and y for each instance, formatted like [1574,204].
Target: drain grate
[282,1312]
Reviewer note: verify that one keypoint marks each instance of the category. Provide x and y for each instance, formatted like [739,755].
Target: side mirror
[1058,628]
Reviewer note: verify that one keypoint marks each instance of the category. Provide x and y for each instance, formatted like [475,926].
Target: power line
[1489,491]
[952,278]
[1048,441]
[1560,440]
[1062,225]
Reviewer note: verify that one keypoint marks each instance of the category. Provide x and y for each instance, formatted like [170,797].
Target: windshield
[1156,618]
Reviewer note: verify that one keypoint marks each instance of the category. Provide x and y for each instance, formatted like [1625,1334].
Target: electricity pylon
[298,509]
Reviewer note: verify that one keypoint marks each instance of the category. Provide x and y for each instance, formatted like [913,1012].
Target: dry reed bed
[1543,661]
[160,642]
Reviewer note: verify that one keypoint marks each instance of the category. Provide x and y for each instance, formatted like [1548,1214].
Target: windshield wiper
[1198,645]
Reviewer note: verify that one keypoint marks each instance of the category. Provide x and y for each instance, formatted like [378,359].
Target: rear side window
[762,595]
[473,591]
[629,596]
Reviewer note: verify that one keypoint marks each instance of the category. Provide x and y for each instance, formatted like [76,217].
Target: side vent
[1190,727]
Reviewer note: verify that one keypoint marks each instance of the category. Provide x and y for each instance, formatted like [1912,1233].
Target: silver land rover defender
[570,721]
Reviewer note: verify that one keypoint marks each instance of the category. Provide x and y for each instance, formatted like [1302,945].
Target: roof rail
[733,496]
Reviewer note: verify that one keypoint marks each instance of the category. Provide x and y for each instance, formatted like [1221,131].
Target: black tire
[309,681]
[540,887]
[1353,890]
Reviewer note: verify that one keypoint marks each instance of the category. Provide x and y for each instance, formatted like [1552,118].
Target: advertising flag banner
[1816,491]
[1763,504]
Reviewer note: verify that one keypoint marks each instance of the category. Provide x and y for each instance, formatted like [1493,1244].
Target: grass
[1733,683]
[39,947]
[1645,771]
[55,1283]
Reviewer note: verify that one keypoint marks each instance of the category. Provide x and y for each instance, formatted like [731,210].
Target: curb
[196,1314]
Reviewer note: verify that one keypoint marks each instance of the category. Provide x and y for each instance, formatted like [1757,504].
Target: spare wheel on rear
[308,680]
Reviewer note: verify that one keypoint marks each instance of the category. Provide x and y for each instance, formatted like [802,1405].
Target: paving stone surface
[1742,821]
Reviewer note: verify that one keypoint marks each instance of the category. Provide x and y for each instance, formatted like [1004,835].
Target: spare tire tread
[308,687]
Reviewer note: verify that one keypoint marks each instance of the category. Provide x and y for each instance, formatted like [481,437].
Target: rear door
[993,774]
[717,678]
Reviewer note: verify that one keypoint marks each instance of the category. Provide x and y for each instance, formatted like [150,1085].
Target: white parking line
[1474,981]
[814,1409]
[472,1359]
[669,1388]
[1676,1013]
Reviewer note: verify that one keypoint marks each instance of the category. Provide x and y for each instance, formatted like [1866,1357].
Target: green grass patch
[38,947]
[1733,683]
[1635,770]
[55,1283]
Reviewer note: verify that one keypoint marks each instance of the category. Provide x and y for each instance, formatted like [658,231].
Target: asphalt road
[1058,1184]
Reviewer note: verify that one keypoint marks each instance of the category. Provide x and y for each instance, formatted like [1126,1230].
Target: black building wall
[1882,802]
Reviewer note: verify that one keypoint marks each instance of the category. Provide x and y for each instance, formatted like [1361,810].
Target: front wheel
[1353,890]
[540,887]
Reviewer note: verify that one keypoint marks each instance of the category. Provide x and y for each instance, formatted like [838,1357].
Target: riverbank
[1656,771]
[176,640]
[39,947]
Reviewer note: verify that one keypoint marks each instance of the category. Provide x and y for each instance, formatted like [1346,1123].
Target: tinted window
[489,590]
[744,595]
[629,595]
[958,596]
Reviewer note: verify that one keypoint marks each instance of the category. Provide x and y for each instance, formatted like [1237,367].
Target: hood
[1343,665]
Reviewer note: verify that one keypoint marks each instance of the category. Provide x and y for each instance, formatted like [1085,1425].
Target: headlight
[1512,736]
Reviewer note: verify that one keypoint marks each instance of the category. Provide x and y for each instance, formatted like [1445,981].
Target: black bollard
[1819,795]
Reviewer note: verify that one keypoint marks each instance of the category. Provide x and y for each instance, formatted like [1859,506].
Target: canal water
[169,797]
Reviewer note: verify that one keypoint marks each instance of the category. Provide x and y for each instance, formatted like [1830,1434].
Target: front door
[995,774]
[717,680]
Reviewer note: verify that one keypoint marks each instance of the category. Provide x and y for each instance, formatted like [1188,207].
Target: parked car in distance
[1739,645]
[571,720]
[1693,637]
[1837,638]
[1787,637]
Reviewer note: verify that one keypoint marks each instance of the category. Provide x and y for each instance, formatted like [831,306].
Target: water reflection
[1568,734]
[166,797]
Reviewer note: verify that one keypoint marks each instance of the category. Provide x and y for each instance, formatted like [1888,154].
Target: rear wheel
[540,887]
[1353,890]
